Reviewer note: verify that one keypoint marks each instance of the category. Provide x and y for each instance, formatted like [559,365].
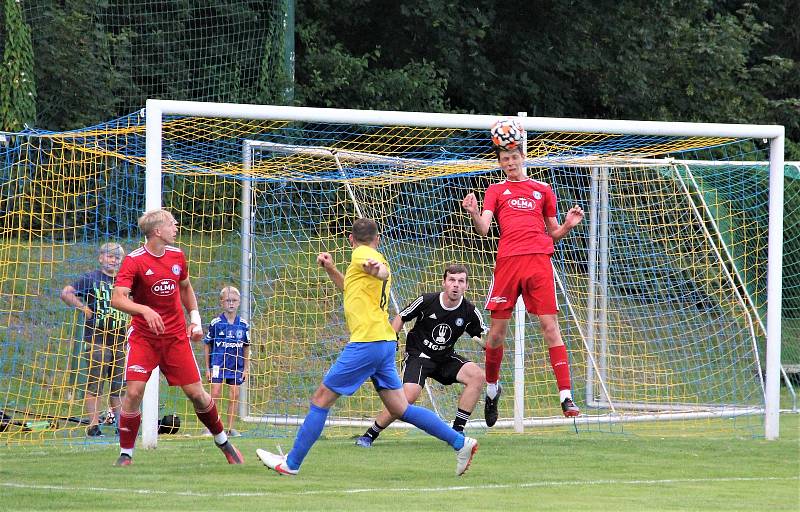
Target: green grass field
[553,471]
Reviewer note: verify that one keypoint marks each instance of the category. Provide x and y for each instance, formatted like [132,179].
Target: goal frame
[155,110]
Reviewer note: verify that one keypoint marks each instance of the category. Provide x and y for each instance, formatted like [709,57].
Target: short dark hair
[455,268]
[365,230]
[498,149]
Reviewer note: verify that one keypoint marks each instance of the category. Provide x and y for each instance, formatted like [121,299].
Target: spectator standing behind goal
[227,349]
[153,287]
[526,214]
[103,331]
[369,355]
[440,320]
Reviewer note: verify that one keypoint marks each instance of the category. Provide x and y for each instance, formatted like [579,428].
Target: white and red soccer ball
[507,134]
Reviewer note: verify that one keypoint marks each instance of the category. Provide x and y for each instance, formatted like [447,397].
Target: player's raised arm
[325,260]
[556,231]
[120,300]
[481,221]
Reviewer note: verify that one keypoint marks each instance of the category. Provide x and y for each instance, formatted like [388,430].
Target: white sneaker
[464,455]
[234,433]
[206,433]
[275,462]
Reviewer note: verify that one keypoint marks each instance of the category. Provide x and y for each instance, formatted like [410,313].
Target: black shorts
[417,369]
[105,359]
[105,362]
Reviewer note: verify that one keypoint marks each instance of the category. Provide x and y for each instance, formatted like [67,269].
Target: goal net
[662,289]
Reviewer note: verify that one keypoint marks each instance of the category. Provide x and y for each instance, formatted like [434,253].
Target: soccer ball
[507,134]
[108,417]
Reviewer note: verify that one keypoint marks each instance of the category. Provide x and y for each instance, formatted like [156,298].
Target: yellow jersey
[366,299]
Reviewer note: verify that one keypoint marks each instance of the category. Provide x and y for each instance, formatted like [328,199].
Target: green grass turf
[561,471]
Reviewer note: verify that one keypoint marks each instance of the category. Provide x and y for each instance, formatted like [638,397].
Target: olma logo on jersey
[522,203]
[164,287]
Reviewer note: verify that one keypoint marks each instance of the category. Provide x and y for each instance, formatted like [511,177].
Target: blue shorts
[361,361]
[231,381]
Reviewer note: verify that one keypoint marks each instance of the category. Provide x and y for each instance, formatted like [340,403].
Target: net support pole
[152,201]
[519,342]
[774,291]
[519,365]
[288,48]
[245,279]
[592,289]
[602,361]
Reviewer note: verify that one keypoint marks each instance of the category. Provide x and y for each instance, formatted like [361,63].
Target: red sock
[129,428]
[210,418]
[560,363]
[494,356]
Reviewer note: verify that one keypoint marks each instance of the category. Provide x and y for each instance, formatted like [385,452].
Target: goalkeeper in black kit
[441,319]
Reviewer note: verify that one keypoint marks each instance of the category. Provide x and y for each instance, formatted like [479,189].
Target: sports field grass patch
[586,471]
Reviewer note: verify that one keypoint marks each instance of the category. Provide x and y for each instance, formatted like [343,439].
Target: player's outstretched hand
[574,215]
[154,321]
[325,260]
[470,203]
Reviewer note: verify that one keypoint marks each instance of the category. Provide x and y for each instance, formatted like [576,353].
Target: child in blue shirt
[227,349]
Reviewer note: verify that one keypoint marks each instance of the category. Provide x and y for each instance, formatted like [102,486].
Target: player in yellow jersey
[369,355]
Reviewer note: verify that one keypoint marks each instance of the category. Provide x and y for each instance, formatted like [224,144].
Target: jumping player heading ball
[525,210]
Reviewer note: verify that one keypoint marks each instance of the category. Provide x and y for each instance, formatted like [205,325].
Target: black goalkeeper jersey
[438,328]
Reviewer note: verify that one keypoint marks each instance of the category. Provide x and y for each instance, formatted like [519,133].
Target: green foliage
[78,81]
[17,85]
[673,60]
[332,76]
[100,59]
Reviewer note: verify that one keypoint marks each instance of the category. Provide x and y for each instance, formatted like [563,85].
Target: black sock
[374,431]
[461,420]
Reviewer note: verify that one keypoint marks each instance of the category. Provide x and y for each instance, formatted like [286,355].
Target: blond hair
[152,219]
[111,248]
[229,290]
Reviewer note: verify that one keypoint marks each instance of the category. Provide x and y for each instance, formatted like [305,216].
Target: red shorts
[529,275]
[172,354]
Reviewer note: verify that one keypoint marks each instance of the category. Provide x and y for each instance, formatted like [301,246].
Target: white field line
[416,490]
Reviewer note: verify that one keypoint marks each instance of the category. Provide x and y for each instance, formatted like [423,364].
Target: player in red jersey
[526,214]
[153,287]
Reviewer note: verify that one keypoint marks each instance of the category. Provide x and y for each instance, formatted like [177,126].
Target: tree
[79,84]
[675,60]
[329,75]
[17,84]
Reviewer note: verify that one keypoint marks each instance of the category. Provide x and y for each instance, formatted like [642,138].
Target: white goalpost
[586,299]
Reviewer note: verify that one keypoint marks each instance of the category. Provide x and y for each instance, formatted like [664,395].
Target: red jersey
[153,281]
[520,208]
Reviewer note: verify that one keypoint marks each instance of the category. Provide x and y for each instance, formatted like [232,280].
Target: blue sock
[308,434]
[426,420]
